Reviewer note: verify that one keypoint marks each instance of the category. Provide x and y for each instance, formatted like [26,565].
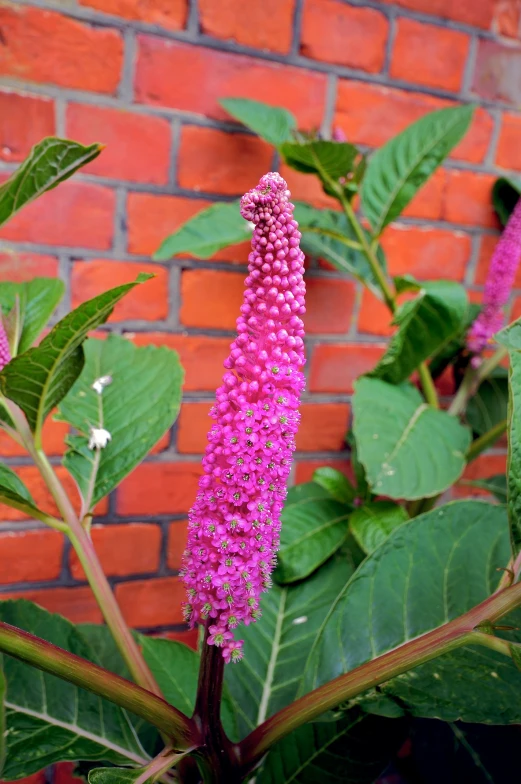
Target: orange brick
[148,301]
[304,469]
[267,24]
[201,357]
[30,556]
[17,266]
[192,427]
[332,31]
[137,146]
[219,162]
[45,46]
[466,11]
[516,309]
[24,121]
[306,187]
[177,534]
[334,368]
[329,305]
[323,427]
[63,773]
[221,293]
[507,18]
[188,637]
[468,199]
[426,253]
[123,549]
[428,201]
[159,488]
[169,14]
[487,245]
[53,440]
[483,467]
[76,604]
[76,213]
[429,55]
[495,64]
[151,218]
[508,153]
[374,317]
[149,603]
[198,77]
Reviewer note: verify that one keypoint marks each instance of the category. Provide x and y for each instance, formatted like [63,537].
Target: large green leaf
[49,163]
[505,195]
[488,406]
[426,325]
[271,123]
[14,493]
[335,483]
[397,170]
[510,337]
[37,300]
[209,231]
[496,485]
[372,523]
[40,378]
[409,449]
[276,647]
[49,720]
[329,160]
[114,775]
[314,526]
[3,726]
[425,574]
[137,407]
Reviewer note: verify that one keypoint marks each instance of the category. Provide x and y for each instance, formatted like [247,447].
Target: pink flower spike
[234,525]
[500,279]
[5,353]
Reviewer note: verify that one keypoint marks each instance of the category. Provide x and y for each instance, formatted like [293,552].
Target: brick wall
[144,76]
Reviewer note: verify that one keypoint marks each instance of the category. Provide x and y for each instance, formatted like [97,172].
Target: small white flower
[251,225]
[99,438]
[299,620]
[100,384]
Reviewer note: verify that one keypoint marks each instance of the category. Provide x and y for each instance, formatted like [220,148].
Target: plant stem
[429,390]
[86,675]
[487,439]
[160,765]
[448,637]
[473,378]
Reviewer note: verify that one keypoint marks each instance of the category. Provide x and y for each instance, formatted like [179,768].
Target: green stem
[33,511]
[473,378]
[487,439]
[86,675]
[448,637]
[429,390]
[160,765]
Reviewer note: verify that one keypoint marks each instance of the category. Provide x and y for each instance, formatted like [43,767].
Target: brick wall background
[144,76]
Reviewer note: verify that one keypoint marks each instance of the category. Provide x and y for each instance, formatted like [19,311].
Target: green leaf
[38,299]
[488,406]
[137,408]
[335,483]
[49,163]
[3,727]
[9,481]
[497,485]
[49,720]
[397,170]
[314,526]
[114,775]
[505,195]
[510,337]
[276,647]
[428,572]
[409,449]
[40,378]
[329,160]
[271,123]
[426,325]
[210,230]
[371,524]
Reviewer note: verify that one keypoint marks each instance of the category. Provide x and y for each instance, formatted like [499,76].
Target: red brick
[192,426]
[334,367]
[427,253]
[468,199]
[495,65]
[44,46]
[148,603]
[148,301]
[201,357]
[198,77]
[169,14]
[429,55]
[24,121]
[189,637]
[17,266]
[123,549]
[30,556]
[219,162]
[53,440]
[483,467]
[221,293]
[151,218]
[507,18]
[76,604]
[374,317]
[323,427]
[75,213]
[306,187]
[516,309]
[159,488]
[137,145]
[63,773]
[487,246]
[268,24]
[428,202]
[329,305]
[508,153]
[177,534]
[478,14]
[304,469]
[333,32]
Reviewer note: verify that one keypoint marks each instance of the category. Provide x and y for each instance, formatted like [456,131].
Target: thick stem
[82,673]
[446,638]
[473,378]
[429,390]
[487,439]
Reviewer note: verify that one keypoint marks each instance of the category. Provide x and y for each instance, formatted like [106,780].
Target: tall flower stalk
[5,353]
[234,525]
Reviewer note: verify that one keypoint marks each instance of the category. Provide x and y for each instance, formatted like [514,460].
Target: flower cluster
[500,279]
[234,525]
[5,353]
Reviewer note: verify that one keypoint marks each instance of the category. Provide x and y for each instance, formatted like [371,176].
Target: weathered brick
[323,427]
[374,317]
[123,549]
[76,213]
[177,533]
[151,218]
[76,604]
[219,162]
[148,301]
[137,146]
[18,266]
[334,367]
[198,77]
[329,305]
[53,435]
[477,14]
[149,603]
[159,488]
[428,201]
[467,199]
[266,25]
[497,72]
[45,46]
[426,252]
[487,244]
[332,31]
[24,121]
[508,154]
[192,426]
[30,556]
[169,14]
[507,18]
